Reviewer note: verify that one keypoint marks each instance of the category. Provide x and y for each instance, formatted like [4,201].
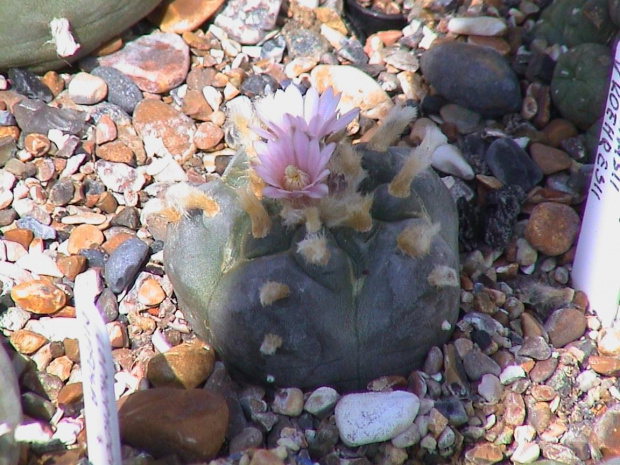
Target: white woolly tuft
[443,276]
[272,291]
[392,127]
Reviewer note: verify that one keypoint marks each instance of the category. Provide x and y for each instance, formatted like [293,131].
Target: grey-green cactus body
[370,310]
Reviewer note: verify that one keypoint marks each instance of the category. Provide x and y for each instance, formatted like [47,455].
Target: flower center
[295,179]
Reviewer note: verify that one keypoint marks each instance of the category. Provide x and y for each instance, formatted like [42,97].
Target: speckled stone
[124,263]
[552,228]
[156,63]
[160,124]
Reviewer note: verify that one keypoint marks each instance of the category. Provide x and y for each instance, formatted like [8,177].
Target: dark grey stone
[128,217]
[305,43]
[121,90]
[62,192]
[26,83]
[512,165]
[472,76]
[34,116]
[124,264]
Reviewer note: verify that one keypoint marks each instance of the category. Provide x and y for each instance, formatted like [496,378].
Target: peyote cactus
[313,262]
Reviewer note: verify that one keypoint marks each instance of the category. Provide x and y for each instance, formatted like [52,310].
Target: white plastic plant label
[101,418]
[597,259]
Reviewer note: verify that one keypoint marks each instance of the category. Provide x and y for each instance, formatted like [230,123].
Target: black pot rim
[366,22]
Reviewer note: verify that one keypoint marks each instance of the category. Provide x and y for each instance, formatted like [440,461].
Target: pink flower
[293,166]
[294,156]
[314,115]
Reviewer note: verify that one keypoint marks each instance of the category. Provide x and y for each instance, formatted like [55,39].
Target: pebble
[305,43]
[288,401]
[164,129]
[22,236]
[128,217]
[40,264]
[490,388]
[410,437]
[62,192]
[511,164]
[181,16]
[552,228]
[207,135]
[166,421]
[106,130]
[37,144]
[184,366]
[535,347]
[122,91]
[14,318]
[248,438]
[84,236]
[477,365]
[39,297]
[26,83]
[321,401]
[123,265]
[41,119]
[466,121]
[511,373]
[87,89]
[374,416]
[482,81]
[565,325]
[248,23]
[71,266]
[608,342]
[357,89]
[449,159]
[117,152]
[156,63]
[549,159]
[27,342]
[478,26]
[526,452]
[119,177]
[486,453]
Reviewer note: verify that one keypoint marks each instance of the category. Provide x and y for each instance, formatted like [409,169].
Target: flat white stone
[40,264]
[449,159]
[480,26]
[375,416]
[511,373]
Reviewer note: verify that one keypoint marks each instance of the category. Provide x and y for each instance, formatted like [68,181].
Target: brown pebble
[207,136]
[531,326]
[72,349]
[71,266]
[60,367]
[485,453]
[116,151]
[151,293]
[606,432]
[514,409]
[180,16]
[54,81]
[549,159]
[183,366]
[109,47]
[496,43]
[265,457]
[107,202]
[106,130]
[543,393]
[195,105]
[539,416]
[543,370]
[552,228]
[113,242]
[20,235]
[565,325]
[605,365]
[38,297]
[37,144]
[84,236]
[117,334]
[70,393]
[9,131]
[27,342]
[165,421]
[557,130]
[156,119]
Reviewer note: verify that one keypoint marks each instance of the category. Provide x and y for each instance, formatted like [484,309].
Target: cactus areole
[352,281]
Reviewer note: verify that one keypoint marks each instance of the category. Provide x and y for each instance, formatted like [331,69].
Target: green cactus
[325,300]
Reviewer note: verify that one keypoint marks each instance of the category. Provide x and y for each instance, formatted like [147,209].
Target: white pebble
[480,26]
[526,452]
[321,401]
[511,373]
[449,159]
[375,416]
